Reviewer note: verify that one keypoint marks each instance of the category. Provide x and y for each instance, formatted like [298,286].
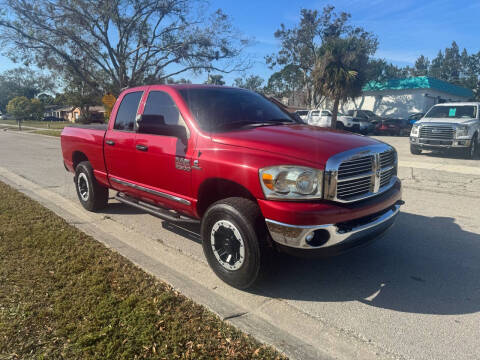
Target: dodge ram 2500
[256,179]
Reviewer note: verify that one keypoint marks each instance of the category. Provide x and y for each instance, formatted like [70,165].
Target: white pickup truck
[448,126]
[323,118]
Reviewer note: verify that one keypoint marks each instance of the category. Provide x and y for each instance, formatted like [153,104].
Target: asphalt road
[415,294]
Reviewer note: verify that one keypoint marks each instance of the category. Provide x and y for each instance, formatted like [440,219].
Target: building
[401,97]
[72,114]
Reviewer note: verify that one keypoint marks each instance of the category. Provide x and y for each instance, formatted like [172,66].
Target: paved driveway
[414,294]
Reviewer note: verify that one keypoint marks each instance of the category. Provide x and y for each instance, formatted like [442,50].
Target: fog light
[317,237]
[412,139]
[309,237]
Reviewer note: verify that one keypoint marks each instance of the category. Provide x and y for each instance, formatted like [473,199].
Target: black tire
[472,151]
[247,220]
[340,125]
[415,150]
[91,194]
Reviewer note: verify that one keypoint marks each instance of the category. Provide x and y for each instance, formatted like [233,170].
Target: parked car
[255,179]
[323,118]
[319,117]
[344,122]
[393,127]
[448,126]
[367,115]
[52,118]
[302,114]
[413,118]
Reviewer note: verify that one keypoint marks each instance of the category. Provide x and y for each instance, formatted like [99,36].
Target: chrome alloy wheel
[227,245]
[83,188]
[473,148]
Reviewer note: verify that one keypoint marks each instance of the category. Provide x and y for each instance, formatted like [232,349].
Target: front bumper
[425,143]
[333,235]
[336,227]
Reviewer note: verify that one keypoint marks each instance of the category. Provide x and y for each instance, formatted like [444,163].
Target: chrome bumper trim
[294,235]
[454,143]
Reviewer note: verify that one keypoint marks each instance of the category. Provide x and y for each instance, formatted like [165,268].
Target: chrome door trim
[150,191]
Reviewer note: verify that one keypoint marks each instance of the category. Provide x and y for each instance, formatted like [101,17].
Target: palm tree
[339,72]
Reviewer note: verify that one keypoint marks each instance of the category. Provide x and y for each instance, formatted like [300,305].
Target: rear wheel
[415,150]
[91,194]
[233,238]
[340,125]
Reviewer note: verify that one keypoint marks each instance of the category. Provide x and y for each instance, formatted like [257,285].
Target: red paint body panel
[320,213]
[235,156]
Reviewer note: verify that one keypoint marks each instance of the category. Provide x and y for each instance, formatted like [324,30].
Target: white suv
[448,126]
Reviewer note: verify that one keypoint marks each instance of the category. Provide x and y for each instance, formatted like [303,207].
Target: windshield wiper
[240,124]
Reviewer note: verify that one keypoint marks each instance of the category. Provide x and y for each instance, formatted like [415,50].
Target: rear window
[444,111]
[315,113]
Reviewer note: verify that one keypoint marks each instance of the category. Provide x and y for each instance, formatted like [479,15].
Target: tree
[215,80]
[421,66]
[23,82]
[252,82]
[340,70]
[285,82]
[37,109]
[113,44]
[300,45]
[22,108]
[79,95]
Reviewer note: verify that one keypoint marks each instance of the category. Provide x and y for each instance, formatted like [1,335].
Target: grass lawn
[40,124]
[64,295]
[48,132]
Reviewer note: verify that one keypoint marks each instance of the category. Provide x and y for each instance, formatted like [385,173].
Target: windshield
[461,111]
[216,109]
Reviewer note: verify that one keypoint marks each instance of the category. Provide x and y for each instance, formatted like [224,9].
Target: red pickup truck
[254,176]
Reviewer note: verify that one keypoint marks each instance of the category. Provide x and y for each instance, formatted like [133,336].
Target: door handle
[142,147]
[110,142]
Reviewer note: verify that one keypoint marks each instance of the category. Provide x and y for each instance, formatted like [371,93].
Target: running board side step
[157,211]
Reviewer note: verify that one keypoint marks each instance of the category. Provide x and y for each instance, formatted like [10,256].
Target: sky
[405,28]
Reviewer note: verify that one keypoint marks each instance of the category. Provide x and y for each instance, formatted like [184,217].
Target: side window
[160,103]
[127,111]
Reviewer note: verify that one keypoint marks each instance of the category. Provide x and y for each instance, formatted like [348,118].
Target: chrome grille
[386,177]
[437,132]
[387,158]
[355,167]
[360,173]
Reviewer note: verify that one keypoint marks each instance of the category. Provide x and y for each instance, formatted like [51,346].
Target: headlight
[462,130]
[291,182]
[415,129]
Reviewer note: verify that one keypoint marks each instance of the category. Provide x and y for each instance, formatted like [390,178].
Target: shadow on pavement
[423,265]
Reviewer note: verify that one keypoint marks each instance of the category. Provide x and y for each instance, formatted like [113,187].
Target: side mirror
[155,125]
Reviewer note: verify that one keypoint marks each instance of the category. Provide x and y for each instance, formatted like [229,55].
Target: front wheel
[472,151]
[233,238]
[91,194]
[415,150]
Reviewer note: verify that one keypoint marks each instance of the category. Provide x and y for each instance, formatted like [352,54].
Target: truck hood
[445,121]
[309,143]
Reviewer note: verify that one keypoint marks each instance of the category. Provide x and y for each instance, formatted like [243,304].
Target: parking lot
[413,294]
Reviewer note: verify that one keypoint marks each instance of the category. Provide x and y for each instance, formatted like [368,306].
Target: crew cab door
[163,163]
[119,146]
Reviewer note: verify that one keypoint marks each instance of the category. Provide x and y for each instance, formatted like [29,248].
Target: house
[401,97]
[72,114]
[58,111]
